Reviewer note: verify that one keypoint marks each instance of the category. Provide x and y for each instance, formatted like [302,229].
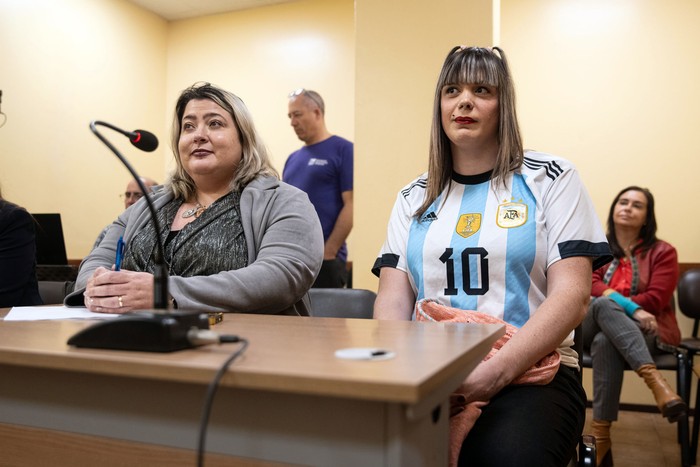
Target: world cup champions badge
[468,224]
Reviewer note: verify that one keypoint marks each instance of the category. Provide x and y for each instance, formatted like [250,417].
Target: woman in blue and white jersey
[507,232]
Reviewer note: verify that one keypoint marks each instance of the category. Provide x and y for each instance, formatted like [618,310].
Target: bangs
[474,65]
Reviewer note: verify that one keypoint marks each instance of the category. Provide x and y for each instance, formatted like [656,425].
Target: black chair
[53,292]
[586,455]
[676,359]
[586,451]
[56,272]
[342,303]
[348,269]
[688,291]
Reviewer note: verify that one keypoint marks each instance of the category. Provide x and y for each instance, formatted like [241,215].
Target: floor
[642,439]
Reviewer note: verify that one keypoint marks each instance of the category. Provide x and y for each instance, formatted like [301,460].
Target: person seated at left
[236,238]
[18,284]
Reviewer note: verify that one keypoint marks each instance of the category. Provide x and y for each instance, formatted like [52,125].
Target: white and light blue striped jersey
[487,248]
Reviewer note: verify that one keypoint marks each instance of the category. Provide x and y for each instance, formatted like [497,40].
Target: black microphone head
[144,140]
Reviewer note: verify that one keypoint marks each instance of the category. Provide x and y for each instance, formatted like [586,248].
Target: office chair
[53,292]
[676,359]
[688,291]
[342,303]
[56,272]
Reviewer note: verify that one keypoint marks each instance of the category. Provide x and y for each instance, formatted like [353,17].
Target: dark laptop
[50,245]
[51,259]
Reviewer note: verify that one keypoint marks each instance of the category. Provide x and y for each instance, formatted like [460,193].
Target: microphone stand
[160,273]
[157,330]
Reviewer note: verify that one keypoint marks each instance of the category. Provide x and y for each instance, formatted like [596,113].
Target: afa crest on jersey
[468,224]
[511,215]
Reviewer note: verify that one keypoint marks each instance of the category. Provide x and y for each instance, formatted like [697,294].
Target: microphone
[144,140]
[157,330]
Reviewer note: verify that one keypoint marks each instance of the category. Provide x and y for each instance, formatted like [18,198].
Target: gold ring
[119,298]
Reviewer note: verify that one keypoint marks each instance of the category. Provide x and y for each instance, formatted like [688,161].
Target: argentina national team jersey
[485,247]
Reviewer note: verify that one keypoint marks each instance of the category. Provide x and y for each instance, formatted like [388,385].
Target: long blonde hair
[255,159]
[473,65]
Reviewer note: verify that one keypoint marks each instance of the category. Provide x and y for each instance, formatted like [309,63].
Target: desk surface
[286,354]
[286,399]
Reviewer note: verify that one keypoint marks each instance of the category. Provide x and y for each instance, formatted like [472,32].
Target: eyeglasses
[313,95]
[137,195]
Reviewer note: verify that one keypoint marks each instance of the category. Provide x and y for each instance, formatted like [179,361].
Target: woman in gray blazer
[235,237]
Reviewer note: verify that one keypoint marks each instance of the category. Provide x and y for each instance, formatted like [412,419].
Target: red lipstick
[464,120]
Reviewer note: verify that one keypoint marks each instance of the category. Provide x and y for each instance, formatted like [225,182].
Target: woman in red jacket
[630,310]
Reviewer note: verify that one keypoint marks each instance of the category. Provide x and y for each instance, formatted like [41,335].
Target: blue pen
[120,254]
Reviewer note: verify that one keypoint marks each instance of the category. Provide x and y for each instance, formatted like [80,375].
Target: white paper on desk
[36,313]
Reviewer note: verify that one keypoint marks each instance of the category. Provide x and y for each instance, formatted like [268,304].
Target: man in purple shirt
[323,168]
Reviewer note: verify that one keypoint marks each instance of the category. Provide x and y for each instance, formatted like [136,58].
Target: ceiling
[181,9]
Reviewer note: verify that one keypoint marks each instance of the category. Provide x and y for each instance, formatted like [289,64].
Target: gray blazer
[285,252]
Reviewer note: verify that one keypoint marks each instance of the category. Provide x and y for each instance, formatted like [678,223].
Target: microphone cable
[211,391]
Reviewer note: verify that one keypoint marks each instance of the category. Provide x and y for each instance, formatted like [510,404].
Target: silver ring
[119,298]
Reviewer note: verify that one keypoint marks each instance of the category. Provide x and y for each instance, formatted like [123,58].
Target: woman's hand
[118,291]
[568,294]
[646,321]
[483,383]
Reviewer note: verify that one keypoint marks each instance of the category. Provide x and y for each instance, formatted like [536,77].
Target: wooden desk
[286,400]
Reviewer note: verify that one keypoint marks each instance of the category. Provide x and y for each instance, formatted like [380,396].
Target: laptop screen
[50,245]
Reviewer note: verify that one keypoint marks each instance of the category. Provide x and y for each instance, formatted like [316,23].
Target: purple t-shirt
[324,171]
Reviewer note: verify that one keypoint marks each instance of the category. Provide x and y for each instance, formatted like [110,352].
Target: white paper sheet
[36,313]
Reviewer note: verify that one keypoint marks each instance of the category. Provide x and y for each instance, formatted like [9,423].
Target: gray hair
[313,96]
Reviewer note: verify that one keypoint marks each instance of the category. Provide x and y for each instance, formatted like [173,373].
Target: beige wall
[265,53]
[609,85]
[612,86]
[66,63]
[398,60]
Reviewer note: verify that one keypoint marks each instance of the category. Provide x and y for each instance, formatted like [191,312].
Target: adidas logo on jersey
[430,217]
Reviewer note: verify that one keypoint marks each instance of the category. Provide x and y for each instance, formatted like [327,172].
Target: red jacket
[658,276]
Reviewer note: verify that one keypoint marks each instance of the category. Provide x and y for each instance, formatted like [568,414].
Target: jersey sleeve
[572,223]
[393,252]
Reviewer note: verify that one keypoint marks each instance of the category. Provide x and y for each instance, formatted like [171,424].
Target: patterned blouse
[212,243]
